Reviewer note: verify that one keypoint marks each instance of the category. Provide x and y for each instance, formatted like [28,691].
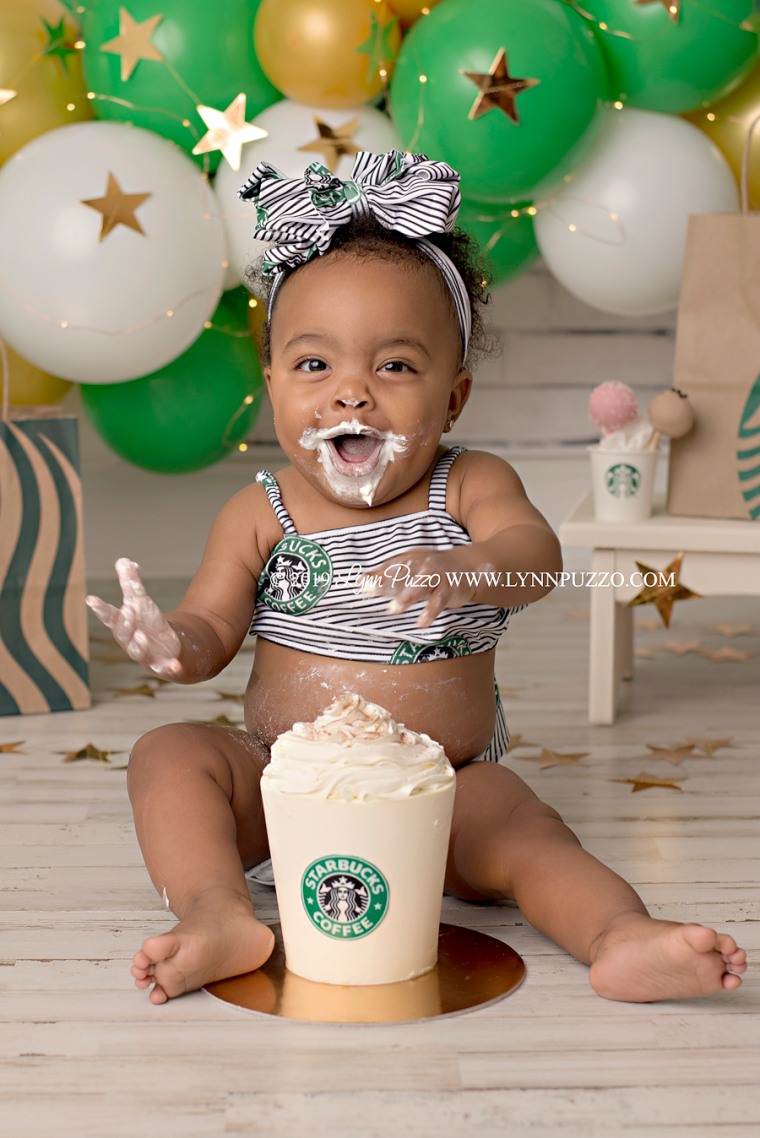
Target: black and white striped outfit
[309,600]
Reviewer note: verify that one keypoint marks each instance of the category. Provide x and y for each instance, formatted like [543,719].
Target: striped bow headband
[403,192]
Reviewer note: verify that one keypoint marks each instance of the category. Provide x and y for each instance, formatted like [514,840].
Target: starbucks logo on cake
[297,574]
[623,480]
[345,897]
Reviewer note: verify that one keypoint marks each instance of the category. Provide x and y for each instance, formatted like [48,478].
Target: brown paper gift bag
[43,618]
[715,469]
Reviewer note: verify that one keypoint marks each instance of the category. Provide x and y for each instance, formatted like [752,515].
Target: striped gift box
[43,618]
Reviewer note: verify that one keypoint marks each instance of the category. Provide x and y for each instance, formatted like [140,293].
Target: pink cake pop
[612,406]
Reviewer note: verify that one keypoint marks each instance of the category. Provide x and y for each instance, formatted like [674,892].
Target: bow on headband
[403,192]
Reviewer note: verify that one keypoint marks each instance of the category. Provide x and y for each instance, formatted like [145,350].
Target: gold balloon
[727,123]
[309,49]
[38,91]
[30,387]
[411,10]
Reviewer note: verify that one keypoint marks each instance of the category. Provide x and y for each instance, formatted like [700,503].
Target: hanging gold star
[89,751]
[12,748]
[710,746]
[548,758]
[498,89]
[663,596]
[645,781]
[333,142]
[672,7]
[6,95]
[228,131]
[133,42]
[674,755]
[117,208]
[379,44]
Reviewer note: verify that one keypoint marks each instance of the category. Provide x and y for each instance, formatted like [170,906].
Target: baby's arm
[199,638]
[511,542]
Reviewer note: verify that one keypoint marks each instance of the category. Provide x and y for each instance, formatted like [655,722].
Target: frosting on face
[359,476]
[355,751]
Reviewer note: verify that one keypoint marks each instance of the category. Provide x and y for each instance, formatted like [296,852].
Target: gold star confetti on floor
[710,746]
[683,649]
[663,596]
[227,131]
[674,754]
[726,654]
[333,142]
[12,748]
[144,689]
[89,751]
[646,653]
[517,740]
[672,7]
[133,42]
[549,758]
[646,781]
[498,90]
[233,696]
[648,624]
[731,630]
[117,208]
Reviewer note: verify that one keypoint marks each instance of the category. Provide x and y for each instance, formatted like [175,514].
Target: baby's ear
[460,392]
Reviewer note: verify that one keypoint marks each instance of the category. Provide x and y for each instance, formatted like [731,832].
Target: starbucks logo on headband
[297,575]
[346,897]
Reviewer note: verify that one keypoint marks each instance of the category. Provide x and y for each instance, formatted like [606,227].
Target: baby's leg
[199,820]
[505,842]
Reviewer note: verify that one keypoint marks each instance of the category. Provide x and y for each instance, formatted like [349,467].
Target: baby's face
[374,346]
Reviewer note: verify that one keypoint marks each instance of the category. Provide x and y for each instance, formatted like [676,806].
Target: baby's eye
[313,364]
[397,366]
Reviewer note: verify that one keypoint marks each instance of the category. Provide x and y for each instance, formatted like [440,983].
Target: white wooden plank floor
[84,1055]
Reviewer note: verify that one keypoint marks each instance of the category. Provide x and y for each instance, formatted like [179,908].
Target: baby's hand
[139,626]
[422,575]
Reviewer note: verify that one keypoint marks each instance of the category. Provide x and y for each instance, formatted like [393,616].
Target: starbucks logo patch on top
[297,575]
[446,649]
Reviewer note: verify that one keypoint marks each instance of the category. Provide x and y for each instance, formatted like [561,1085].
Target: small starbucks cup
[622,483]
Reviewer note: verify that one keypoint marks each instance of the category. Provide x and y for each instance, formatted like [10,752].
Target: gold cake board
[473,970]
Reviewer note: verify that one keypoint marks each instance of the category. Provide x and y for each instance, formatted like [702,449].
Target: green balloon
[500,160]
[507,243]
[673,63]
[193,411]
[208,59]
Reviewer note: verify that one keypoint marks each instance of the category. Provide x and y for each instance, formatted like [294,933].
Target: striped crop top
[308,597]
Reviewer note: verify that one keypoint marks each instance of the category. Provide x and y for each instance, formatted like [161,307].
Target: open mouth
[354,454]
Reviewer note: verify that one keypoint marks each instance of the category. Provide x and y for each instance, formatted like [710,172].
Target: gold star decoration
[89,751]
[233,696]
[223,721]
[227,131]
[732,630]
[710,746]
[517,740]
[646,781]
[672,7]
[378,46]
[6,94]
[12,748]
[663,596]
[548,758]
[60,43]
[140,689]
[333,142]
[117,208]
[648,624]
[674,754]
[726,654]
[133,42]
[498,89]
[683,649]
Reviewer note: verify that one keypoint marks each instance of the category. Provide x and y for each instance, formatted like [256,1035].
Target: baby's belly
[452,701]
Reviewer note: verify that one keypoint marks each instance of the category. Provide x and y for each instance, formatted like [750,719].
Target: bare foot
[218,938]
[641,959]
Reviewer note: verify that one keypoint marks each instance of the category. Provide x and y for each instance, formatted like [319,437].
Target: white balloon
[98,311]
[290,127]
[614,235]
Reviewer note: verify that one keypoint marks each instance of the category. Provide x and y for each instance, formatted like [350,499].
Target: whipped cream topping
[635,436]
[356,751]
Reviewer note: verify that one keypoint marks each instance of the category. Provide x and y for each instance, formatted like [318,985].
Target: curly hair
[364,238]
